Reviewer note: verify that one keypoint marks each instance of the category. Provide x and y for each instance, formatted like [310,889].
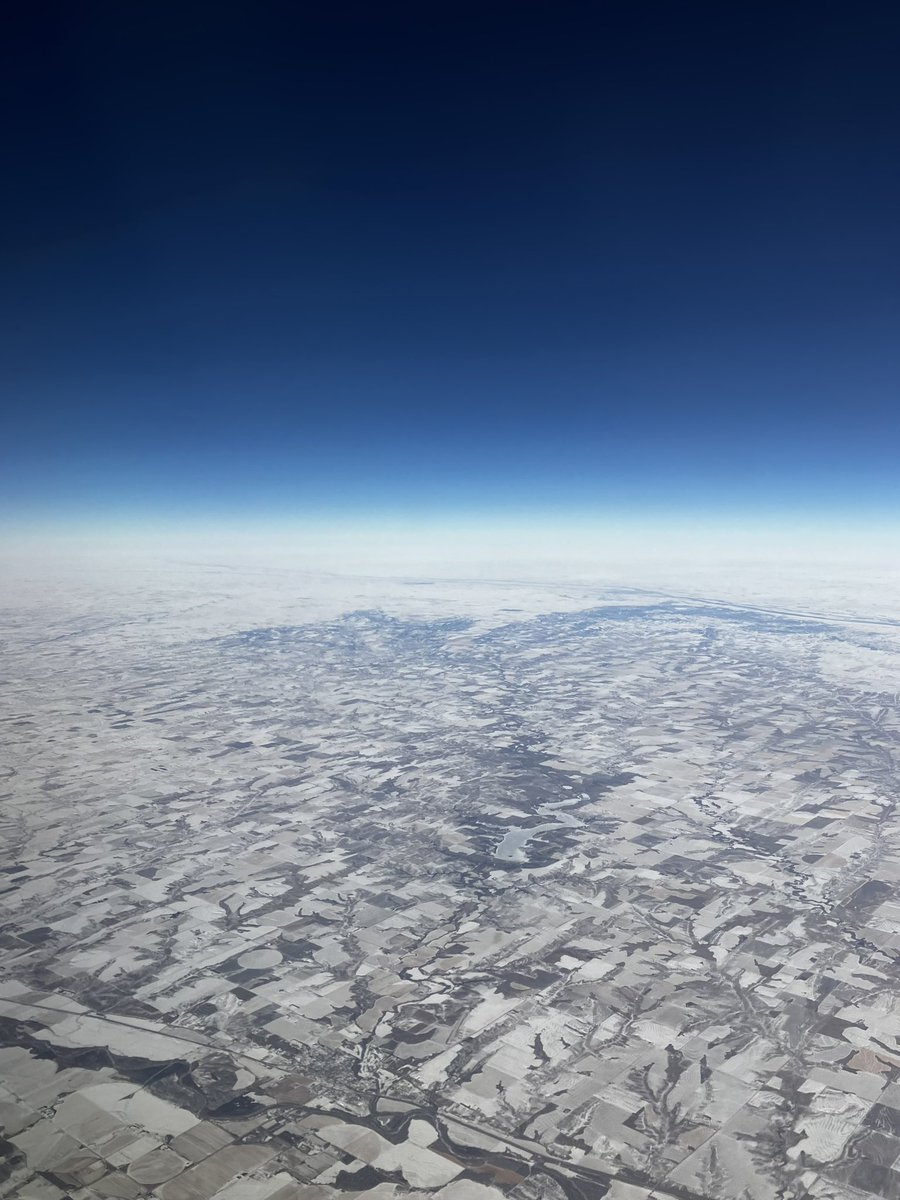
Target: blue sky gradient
[509,259]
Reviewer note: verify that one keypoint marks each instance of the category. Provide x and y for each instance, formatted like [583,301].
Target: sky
[272,262]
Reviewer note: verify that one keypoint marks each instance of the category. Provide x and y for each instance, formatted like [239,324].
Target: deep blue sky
[292,257]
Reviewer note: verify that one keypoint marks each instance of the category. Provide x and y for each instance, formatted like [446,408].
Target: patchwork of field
[597,898]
